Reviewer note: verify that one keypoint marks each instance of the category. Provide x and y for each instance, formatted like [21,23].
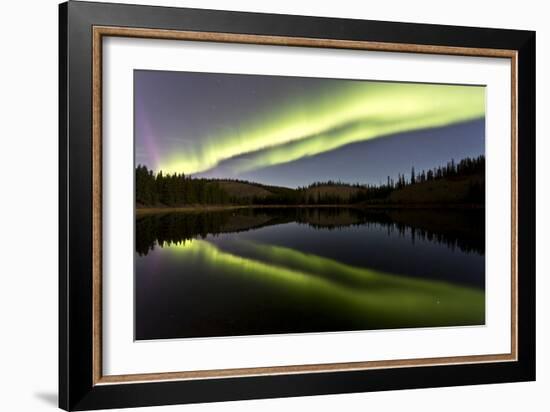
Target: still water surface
[296,270]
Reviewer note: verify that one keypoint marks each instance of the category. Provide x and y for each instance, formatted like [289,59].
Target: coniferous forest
[177,190]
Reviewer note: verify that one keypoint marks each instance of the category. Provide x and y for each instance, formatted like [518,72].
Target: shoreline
[214,208]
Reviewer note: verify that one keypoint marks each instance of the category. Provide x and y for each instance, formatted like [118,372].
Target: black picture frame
[77,390]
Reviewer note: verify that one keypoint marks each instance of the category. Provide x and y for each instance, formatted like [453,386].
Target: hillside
[243,190]
[467,189]
[455,190]
[336,191]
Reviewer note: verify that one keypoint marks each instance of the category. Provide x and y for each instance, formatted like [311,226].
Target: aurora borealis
[263,128]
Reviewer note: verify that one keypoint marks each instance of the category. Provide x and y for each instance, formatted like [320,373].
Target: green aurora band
[352,112]
[367,295]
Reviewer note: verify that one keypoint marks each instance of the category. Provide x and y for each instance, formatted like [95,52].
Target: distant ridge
[454,183]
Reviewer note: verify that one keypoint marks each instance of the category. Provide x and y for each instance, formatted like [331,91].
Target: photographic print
[276,205]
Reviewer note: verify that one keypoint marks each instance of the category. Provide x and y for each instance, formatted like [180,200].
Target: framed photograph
[257,205]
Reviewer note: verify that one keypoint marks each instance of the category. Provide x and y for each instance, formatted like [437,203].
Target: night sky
[292,131]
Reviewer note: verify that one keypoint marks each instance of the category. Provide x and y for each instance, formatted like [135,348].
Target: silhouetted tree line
[466,167]
[178,189]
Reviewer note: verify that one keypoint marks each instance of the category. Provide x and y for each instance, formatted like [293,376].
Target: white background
[122,355]
[28,204]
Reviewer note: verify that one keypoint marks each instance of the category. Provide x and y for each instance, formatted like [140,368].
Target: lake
[273,270]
